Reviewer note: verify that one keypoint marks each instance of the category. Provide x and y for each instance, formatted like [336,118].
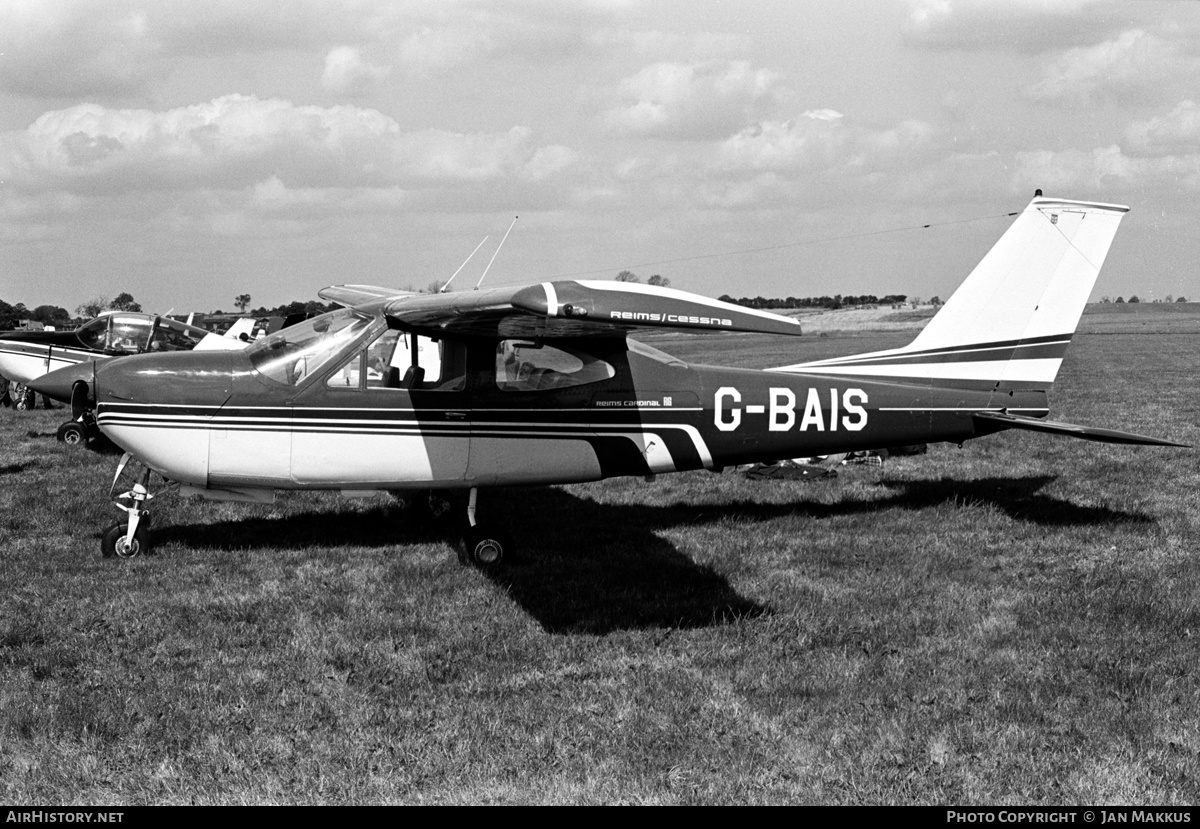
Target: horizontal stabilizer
[242,329]
[988,422]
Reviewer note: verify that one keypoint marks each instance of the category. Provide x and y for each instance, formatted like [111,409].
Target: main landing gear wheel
[483,546]
[116,541]
[72,432]
[486,548]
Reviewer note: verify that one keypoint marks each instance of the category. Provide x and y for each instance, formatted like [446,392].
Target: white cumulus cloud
[1176,133]
[347,72]
[236,140]
[1012,25]
[821,141]
[692,100]
[1134,62]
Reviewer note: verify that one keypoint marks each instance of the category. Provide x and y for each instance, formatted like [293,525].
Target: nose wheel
[131,538]
[77,432]
[117,542]
[81,428]
[23,397]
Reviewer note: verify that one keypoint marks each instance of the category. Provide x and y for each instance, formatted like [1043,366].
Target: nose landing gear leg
[131,537]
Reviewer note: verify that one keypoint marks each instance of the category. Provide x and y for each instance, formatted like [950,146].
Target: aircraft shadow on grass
[594,568]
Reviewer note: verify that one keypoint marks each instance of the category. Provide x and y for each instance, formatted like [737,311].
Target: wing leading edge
[988,422]
[565,309]
[352,295]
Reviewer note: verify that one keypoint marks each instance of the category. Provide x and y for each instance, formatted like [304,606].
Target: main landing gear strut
[483,546]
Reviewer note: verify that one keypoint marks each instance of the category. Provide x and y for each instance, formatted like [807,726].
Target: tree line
[11,316]
[830,302]
[1135,299]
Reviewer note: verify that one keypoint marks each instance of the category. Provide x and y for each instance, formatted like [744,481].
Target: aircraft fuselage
[25,356]
[215,421]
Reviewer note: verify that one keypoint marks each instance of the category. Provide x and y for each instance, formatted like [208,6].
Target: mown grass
[1015,621]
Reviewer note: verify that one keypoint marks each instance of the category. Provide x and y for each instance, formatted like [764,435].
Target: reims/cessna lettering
[681,319]
[543,385]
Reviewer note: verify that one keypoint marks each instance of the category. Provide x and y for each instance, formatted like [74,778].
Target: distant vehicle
[48,362]
[541,385]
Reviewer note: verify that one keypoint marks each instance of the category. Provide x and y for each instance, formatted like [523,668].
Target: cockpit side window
[387,363]
[526,366]
[293,354]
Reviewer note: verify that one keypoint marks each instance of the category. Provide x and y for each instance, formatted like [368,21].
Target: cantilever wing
[987,422]
[568,309]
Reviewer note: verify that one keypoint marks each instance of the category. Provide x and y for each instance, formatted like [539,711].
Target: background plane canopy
[291,355]
[526,366]
[170,335]
[129,335]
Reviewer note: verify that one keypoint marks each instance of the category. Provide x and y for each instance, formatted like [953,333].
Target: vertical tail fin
[1009,323]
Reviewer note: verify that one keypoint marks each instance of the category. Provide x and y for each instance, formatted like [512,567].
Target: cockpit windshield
[94,335]
[292,354]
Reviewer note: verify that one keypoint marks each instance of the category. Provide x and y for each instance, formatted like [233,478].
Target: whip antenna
[493,259]
[442,289]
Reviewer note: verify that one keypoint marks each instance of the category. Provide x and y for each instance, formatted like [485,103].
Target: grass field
[1013,622]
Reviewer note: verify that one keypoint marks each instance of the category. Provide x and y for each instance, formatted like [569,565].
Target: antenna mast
[493,259]
[442,289]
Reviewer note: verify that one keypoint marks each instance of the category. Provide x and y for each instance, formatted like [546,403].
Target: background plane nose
[57,384]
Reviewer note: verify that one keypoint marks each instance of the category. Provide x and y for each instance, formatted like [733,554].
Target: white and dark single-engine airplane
[542,385]
[49,362]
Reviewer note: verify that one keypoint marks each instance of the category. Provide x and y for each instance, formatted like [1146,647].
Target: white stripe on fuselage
[158,434]
[1013,371]
[671,293]
[21,362]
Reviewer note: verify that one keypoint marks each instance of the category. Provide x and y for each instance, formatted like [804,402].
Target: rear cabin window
[526,366]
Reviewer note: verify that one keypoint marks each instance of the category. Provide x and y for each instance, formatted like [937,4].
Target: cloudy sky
[187,151]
